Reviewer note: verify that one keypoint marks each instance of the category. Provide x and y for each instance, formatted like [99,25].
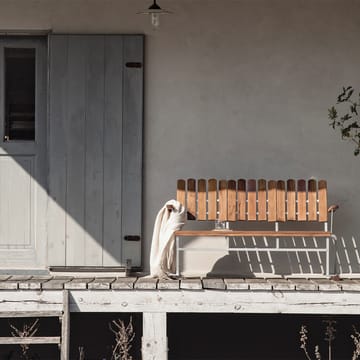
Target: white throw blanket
[162,246]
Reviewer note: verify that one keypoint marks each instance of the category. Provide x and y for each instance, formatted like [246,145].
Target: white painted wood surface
[154,340]
[95,168]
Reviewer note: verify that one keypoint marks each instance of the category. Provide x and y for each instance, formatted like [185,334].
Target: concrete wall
[233,88]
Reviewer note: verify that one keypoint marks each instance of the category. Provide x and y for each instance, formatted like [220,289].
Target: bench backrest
[254,200]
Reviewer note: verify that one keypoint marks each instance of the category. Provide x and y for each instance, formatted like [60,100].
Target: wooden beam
[253,233]
[65,328]
[30,340]
[154,340]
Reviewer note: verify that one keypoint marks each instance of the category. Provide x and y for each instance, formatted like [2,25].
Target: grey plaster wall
[233,88]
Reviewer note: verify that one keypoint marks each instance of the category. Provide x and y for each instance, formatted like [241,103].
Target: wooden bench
[256,201]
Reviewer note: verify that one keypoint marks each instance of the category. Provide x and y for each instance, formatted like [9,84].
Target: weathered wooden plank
[29,314]
[30,301]
[262,200]
[113,153]
[123,283]
[144,283]
[181,192]
[223,216]
[30,340]
[213,283]
[291,200]
[77,283]
[280,201]
[327,285]
[304,284]
[57,283]
[94,148]
[281,285]
[4,277]
[75,151]
[57,149]
[261,233]
[101,283]
[349,285]
[191,284]
[201,199]
[212,199]
[154,338]
[210,301]
[258,284]
[251,199]
[191,199]
[231,202]
[322,195]
[236,284]
[272,200]
[301,200]
[132,145]
[241,199]
[312,200]
[35,283]
[168,285]
[65,328]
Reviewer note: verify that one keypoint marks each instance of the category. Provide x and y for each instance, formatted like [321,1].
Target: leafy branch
[349,121]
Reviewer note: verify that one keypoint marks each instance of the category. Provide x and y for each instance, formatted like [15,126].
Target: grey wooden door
[95,150]
[23,188]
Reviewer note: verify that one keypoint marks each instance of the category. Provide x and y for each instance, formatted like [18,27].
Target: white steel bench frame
[265,201]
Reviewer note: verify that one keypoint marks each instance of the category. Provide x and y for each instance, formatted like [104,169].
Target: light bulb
[155,20]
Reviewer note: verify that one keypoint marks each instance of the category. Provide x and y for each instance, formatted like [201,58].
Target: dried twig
[356,340]
[330,335]
[124,335]
[303,339]
[27,331]
[81,353]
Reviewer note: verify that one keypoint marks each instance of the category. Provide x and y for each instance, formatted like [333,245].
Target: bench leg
[177,242]
[327,262]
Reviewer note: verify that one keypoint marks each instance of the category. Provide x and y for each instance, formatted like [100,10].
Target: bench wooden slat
[291,200]
[180,192]
[191,199]
[301,198]
[260,233]
[262,200]
[231,202]
[201,199]
[223,200]
[212,195]
[312,203]
[241,199]
[280,201]
[251,193]
[323,214]
[272,200]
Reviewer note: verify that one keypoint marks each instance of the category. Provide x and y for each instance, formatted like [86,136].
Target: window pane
[19,94]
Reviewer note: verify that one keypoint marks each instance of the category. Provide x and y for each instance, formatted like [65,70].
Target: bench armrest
[333,208]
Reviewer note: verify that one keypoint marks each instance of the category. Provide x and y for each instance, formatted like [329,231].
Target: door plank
[132,148]
[113,155]
[94,135]
[75,152]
